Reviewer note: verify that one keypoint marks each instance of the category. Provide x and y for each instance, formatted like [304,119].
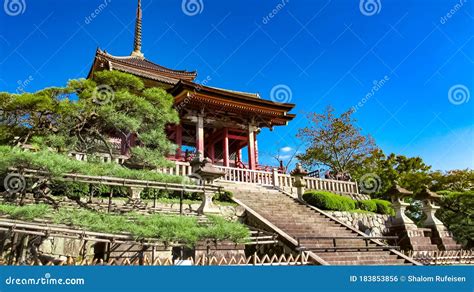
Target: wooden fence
[447,257]
[254,260]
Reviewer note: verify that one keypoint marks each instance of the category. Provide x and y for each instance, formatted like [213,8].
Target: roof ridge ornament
[137,42]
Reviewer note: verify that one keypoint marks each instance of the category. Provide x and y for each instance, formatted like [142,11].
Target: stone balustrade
[273,178]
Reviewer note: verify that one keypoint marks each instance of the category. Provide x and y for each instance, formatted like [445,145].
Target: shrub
[224,196]
[329,201]
[70,189]
[384,207]
[58,164]
[168,228]
[367,205]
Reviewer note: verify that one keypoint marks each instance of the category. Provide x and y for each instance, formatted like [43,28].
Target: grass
[170,228]
[27,213]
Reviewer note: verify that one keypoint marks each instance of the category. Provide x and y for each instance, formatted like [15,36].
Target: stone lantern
[207,174]
[429,208]
[397,194]
[439,233]
[298,173]
[410,237]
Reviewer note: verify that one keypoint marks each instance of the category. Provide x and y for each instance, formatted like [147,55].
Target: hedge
[368,205]
[384,207]
[329,201]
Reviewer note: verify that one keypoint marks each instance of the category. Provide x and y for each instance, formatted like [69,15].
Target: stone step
[365,256]
[293,216]
[428,247]
[299,220]
[291,225]
[323,232]
[377,253]
[375,262]
[296,210]
[317,248]
[296,222]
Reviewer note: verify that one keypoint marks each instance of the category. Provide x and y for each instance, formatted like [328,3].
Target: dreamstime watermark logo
[14,7]
[23,84]
[14,183]
[370,183]
[103,94]
[266,19]
[197,88]
[281,93]
[370,7]
[453,11]
[192,7]
[377,85]
[88,19]
[458,94]
[47,279]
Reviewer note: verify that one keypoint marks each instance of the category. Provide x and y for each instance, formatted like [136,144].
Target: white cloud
[284,157]
[286,149]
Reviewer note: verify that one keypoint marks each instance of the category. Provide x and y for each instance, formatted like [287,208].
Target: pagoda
[217,123]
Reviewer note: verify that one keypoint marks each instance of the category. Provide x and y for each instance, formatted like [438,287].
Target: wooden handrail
[107,180]
[335,247]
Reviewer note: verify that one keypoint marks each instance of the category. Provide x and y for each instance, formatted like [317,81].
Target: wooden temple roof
[268,113]
[140,67]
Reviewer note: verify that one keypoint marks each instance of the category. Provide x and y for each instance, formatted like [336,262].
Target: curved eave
[262,115]
[185,86]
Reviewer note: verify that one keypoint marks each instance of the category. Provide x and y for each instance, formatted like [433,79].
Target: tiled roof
[144,68]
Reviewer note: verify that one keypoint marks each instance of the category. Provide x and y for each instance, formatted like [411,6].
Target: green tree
[409,172]
[454,180]
[334,141]
[457,213]
[85,114]
[25,115]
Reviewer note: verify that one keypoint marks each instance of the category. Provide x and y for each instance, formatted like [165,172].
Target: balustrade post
[275,180]
[298,173]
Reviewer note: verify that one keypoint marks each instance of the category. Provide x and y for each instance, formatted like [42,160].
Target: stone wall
[369,223]
[229,212]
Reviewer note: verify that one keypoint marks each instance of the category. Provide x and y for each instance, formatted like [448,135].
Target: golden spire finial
[137,42]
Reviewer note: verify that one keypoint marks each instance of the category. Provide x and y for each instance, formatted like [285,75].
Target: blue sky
[326,53]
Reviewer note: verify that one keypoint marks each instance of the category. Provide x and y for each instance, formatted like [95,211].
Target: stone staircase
[295,220]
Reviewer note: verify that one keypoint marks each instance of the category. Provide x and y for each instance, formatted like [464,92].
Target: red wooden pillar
[251,147]
[200,135]
[239,155]
[256,148]
[179,140]
[225,147]
[211,151]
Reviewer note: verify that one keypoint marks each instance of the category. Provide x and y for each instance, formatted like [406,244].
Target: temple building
[218,123]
